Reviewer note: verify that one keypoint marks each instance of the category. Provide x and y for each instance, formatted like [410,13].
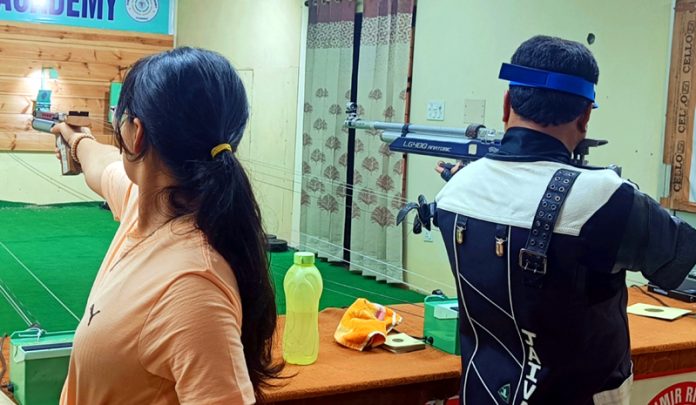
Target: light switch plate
[436,110]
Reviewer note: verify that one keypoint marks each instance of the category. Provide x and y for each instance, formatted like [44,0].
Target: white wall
[262,39]
[35,178]
[458,51]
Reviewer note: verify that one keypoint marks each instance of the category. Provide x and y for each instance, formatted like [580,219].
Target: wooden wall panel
[33,141]
[97,72]
[22,123]
[22,104]
[16,49]
[66,88]
[87,61]
[85,36]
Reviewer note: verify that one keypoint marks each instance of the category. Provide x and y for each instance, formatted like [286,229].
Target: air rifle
[463,144]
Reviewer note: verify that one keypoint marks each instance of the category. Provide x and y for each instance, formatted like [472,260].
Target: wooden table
[346,376]
[342,376]
[661,347]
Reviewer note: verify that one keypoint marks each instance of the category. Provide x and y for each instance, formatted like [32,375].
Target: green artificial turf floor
[49,256]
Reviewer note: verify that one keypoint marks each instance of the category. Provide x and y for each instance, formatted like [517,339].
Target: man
[539,248]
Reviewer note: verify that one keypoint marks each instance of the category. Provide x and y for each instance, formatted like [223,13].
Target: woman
[182,309]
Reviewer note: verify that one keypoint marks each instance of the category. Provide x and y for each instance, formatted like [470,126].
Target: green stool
[39,365]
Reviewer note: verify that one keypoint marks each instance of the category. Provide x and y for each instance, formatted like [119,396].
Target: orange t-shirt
[163,319]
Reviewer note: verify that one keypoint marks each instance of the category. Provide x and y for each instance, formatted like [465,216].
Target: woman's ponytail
[229,216]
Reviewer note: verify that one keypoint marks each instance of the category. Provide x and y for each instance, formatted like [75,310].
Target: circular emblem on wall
[142,10]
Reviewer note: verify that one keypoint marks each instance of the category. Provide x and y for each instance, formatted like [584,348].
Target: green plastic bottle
[303,286]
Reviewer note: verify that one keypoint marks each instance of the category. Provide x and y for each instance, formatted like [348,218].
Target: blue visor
[530,77]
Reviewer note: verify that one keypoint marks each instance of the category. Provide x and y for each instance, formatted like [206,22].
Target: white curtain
[325,141]
[385,58]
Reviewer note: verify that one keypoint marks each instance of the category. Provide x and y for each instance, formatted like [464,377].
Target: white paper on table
[655,311]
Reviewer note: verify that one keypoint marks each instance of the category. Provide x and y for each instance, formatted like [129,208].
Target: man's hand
[447,170]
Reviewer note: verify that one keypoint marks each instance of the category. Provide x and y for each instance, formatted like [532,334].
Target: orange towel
[365,325]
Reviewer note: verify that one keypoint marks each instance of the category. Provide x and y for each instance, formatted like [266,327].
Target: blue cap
[543,79]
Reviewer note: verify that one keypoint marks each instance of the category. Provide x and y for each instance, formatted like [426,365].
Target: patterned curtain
[385,52]
[324,159]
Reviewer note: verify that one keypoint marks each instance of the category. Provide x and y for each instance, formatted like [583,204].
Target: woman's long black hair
[189,101]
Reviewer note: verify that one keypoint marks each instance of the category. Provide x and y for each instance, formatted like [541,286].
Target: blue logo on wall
[142,10]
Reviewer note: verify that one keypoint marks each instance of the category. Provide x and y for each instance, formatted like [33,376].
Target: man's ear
[584,119]
[506,107]
[138,136]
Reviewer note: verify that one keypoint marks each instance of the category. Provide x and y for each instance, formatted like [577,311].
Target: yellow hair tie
[221,148]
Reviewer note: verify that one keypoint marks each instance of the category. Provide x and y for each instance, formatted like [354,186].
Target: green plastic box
[441,324]
[39,365]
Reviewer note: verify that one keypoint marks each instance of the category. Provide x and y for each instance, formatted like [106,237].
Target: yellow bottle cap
[304,258]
